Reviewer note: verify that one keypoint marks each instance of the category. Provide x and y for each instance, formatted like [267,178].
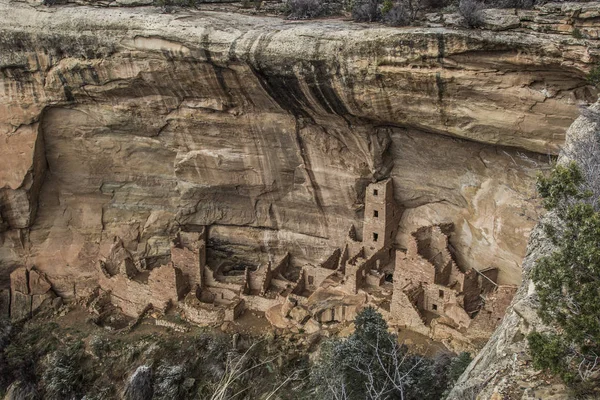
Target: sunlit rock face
[132,124]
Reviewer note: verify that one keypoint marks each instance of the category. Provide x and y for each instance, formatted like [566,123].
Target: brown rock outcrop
[29,290]
[128,123]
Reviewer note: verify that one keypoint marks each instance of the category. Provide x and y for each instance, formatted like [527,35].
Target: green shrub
[387,6]
[594,76]
[562,187]
[458,365]
[568,280]
[549,353]
[577,33]
[25,350]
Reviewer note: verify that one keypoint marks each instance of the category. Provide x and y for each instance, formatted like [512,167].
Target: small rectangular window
[375,236]
[375,192]
[434,307]
[441,293]
[376,213]
[311,280]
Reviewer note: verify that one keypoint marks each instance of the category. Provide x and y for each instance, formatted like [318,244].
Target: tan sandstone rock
[131,124]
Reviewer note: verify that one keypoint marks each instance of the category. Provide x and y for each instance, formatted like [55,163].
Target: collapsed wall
[420,289]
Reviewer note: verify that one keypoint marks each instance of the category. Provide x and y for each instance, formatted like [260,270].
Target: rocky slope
[130,123]
[503,368]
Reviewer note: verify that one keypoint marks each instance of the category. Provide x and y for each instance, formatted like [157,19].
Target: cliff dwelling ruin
[420,288]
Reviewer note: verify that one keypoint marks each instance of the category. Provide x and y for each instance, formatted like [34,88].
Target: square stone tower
[381,217]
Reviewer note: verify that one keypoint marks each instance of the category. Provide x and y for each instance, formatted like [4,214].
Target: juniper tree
[568,280]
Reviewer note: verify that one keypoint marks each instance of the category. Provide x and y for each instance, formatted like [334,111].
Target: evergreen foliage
[594,76]
[568,280]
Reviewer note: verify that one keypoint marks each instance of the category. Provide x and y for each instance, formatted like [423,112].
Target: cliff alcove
[135,145]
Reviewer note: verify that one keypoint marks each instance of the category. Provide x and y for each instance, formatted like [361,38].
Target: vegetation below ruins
[372,364]
[568,280]
[53,359]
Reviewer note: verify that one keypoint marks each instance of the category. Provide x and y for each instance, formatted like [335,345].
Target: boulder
[500,19]
[18,281]
[287,306]
[299,314]
[311,326]
[20,306]
[38,283]
[29,290]
[39,301]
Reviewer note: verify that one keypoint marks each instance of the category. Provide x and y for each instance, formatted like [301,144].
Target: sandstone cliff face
[130,123]
[503,367]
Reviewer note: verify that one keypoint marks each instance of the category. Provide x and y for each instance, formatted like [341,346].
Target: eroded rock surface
[504,365]
[132,124]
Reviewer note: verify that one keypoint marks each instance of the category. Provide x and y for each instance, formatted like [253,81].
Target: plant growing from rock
[594,76]
[568,280]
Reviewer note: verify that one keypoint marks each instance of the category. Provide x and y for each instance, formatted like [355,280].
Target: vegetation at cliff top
[568,280]
[400,12]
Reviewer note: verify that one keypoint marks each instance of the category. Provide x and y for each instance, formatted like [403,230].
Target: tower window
[376,213]
[434,307]
[375,236]
[375,192]
[441,293]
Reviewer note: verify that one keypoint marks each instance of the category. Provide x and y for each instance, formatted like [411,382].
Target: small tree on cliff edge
[568,280]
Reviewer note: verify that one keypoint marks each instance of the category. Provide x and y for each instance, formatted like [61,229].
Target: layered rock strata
[126,125]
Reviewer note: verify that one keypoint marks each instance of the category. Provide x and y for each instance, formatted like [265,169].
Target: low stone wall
[235,310]
[201,313]
[259,303]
